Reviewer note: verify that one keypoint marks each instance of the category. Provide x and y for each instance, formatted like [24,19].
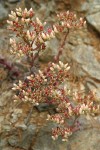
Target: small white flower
[41,40]
[30,10]
[10,22]
[19,13]
[51,68]
[55,29]
[36,104]
[67,68]
[61,64]
[53,138]
[18,9]
[38,21]
[43,36]
[11,41]
[13,13]
[25,10]
[29,77]
[64,140]
[27,20]
[48,36]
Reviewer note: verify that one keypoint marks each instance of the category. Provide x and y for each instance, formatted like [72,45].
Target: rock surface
[13,1]
[82,49]
[94,21]
[3,12]
[85,140]
[25,140]
[45,142]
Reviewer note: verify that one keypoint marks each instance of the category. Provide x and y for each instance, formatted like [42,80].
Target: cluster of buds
[30,31]
[68,20]
[60,66]
[45,87]
[60,131]
[85,108]
[67,109]
[56,118]
[37,88]
[86,103]
[25,16]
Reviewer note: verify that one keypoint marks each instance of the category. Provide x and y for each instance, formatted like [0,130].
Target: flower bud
[38,21]
[55,29]
[13,13]
[27,20]
[10,22]
[11,41]
[23,20]
[52,34]
[67,12]
[12,17]
[41,40]
[19,14]
[68,25]
[43,36]
[19,9]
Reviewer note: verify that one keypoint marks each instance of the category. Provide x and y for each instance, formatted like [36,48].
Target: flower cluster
[37,88]
[86,103]
[58,118]
[48,86]
[45,87]
[31,32]
[64,132]
[68,20]
[68,108]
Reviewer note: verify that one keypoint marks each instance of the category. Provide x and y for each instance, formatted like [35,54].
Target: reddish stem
[56,59]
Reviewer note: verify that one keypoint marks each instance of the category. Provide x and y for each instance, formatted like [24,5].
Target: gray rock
[46,107]
[50,52]
[94,7]
[25,140]
[21,126]
[85,140]
[86,6]
[94,85]
[80,6]
[3,143]
[13,1]
[94,20]
[13,140]
[4,42]
[27,137]
[16,114]
[45,142]
[84,55]
[5,97]
[1,119]
[7,148]
[3,12]
[42,107]
[89,66]
[6,127]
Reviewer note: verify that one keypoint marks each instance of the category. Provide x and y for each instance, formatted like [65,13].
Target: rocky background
[82,51]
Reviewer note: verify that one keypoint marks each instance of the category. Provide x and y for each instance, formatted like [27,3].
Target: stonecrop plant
[48,85]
